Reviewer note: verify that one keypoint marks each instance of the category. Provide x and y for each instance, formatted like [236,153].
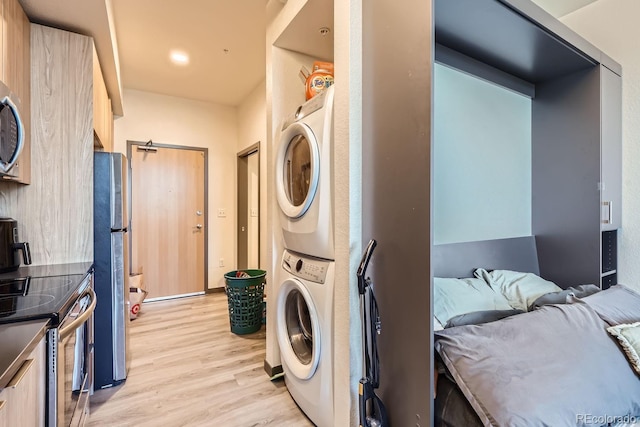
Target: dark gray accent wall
[565,178]
[396,149]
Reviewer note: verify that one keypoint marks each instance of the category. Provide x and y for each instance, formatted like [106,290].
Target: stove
[29,298]
[64,294]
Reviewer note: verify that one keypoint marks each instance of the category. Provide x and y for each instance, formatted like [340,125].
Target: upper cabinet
[611,149]
[16,71]
[56,210]
[102,112]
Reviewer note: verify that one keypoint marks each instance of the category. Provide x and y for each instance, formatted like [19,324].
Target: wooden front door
[168,219]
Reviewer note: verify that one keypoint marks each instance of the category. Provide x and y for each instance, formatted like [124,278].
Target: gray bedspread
[618,304]
[556,366]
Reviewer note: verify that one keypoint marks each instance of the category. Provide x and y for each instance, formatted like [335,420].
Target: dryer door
[297,169]
[298,329]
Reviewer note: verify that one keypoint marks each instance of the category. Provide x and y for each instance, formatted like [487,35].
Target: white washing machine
[304,182]
[304,316]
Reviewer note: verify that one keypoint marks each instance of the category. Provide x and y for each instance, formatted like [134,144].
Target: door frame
[151,145]
[240,166]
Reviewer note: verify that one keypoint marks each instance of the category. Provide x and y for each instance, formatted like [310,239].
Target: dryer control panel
[311,106]
[312,270]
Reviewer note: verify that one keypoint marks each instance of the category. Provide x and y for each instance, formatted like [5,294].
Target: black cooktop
[28,298]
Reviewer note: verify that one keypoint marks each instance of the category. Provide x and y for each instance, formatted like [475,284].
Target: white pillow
[628,336]
[520,289]
[453,297]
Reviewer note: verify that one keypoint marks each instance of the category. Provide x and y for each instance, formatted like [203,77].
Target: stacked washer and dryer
[304,308]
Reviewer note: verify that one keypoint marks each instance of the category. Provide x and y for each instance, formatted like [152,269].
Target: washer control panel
[312,270]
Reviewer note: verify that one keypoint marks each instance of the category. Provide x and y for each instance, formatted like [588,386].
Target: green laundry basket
[244,296]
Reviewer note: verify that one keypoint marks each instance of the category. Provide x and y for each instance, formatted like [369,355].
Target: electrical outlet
[254,212]
[222,213]
[221,262]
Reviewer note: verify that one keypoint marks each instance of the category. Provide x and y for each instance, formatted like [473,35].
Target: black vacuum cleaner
[372,410]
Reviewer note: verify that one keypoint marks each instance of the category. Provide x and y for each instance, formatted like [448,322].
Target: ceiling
[560,8]
[134,37]
[225,41]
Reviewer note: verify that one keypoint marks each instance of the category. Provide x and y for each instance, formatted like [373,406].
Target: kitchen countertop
[17,341]
[49,270]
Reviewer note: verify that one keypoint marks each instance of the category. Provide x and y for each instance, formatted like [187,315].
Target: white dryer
[304,317]
[304,180]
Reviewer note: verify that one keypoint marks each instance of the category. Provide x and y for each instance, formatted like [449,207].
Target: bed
[552,357]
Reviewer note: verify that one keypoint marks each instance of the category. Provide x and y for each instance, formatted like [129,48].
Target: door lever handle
[198,226]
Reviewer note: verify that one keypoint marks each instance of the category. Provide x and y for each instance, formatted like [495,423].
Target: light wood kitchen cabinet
[102,113]
[22,402]
[57,210]
[16,74]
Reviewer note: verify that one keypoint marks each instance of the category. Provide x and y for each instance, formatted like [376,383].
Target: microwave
[11,130]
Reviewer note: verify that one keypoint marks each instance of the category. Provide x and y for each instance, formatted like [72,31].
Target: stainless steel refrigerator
[111,264]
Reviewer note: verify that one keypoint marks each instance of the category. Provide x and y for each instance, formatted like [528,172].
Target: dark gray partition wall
[396,150]
[565,177]
[521,47]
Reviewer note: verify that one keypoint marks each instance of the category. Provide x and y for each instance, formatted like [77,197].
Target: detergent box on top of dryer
[320,79]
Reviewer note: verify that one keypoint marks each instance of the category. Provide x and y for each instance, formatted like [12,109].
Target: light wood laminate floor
[188,369]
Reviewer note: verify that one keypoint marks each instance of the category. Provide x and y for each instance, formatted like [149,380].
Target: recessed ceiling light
[178,57]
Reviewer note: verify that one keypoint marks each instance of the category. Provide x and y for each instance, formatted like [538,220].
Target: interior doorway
[249,207]
[168,218]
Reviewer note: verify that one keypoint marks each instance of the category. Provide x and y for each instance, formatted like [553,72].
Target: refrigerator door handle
[120,295]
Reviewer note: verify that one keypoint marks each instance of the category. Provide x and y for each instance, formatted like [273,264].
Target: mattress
[554,366]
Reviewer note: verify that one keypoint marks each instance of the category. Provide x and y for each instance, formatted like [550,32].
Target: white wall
[179,121]
[252,118]
[482,166]
[252,128]
[612,26]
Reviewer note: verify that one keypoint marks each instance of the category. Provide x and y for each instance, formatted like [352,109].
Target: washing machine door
[298,329]
[297,169]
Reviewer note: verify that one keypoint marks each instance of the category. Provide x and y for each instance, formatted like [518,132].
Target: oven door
[74,363]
